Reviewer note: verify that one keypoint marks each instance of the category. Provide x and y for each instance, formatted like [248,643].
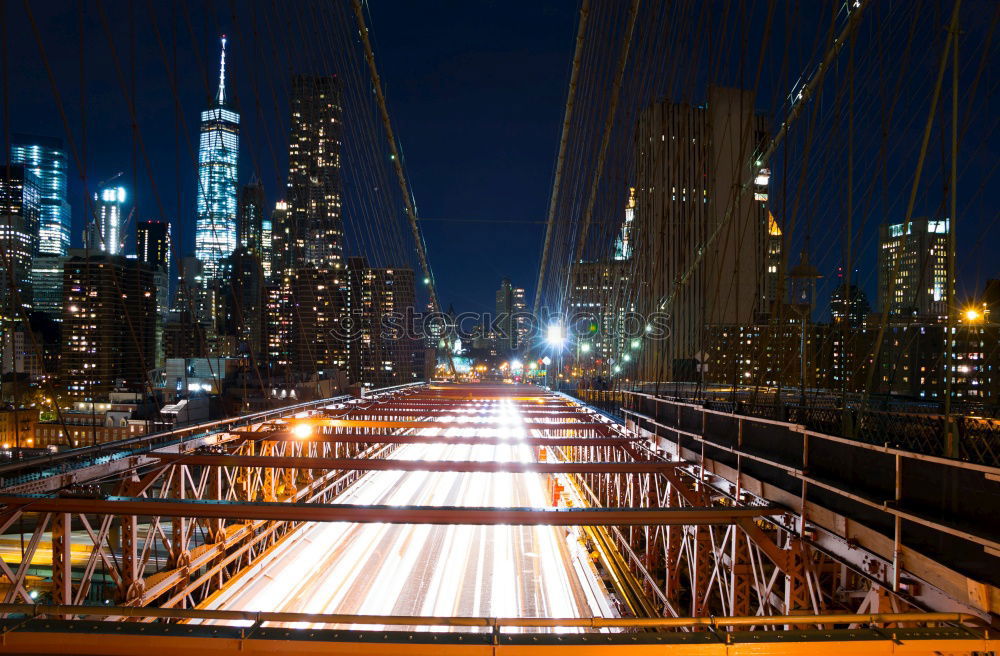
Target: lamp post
[556,339]
[803,287]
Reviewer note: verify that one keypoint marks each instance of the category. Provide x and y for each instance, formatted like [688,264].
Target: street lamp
[803,277]
[555,335]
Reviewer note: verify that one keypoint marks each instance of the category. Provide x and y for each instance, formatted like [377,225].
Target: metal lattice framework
[673,536]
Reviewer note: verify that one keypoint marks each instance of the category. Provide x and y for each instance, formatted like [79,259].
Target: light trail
[453,570]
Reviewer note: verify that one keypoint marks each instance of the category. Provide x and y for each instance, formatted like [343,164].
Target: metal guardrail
[916,432]
[60,462]
[259,617]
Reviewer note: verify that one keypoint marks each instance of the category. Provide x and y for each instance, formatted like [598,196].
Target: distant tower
[215,230]
[250,224]
[104,232]
[46,157]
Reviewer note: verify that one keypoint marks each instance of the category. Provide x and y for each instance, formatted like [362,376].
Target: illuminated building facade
[109,325]
[511,316]
[623,242]
[309,298]
[381,352]
[46,282]
[104,232]
[599,303]
[152,242]
[218,153]
[313,234]
[250,222]
[19,216]
[772,276]
[46,158]
[917,255]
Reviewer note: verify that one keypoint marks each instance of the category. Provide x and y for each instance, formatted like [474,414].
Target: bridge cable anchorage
[397,161]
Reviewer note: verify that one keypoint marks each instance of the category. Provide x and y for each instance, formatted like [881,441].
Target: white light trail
[401,569]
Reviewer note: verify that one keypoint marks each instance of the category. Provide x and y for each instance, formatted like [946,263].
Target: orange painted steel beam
[445,515]
[475,412]
[397,425]
[355,438]
[714,621]
[295,462]
[75,639]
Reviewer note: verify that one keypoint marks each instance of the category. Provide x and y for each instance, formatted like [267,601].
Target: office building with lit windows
[250,219]
[46,282]
[314,231]
[690,162]
[109,325]
[307,265]
[913,268]
[381,352]
[511,318]
[19,217]
[46,157]
[218,153]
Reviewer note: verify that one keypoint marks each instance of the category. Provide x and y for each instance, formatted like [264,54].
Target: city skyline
[167,198]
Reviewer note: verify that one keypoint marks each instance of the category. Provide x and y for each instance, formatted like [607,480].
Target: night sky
[476,91]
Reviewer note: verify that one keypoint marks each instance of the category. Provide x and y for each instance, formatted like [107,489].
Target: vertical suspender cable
[397,161]
[609,123]
[561,160]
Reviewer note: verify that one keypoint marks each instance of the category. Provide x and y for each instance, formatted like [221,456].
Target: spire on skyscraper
[220,97]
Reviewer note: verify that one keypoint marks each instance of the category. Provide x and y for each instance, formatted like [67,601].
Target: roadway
[453,570]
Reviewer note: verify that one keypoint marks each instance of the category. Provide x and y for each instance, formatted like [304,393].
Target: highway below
[433,570]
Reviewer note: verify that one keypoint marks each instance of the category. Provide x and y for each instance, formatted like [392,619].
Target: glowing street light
[546,360]
[585,347]
[302,431]
[972,315]
[555,335]
[516,365]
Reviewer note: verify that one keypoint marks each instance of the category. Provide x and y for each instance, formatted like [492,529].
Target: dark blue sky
[476,91]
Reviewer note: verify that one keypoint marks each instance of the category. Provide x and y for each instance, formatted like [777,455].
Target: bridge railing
[926,506]
[30,469]
[917,432]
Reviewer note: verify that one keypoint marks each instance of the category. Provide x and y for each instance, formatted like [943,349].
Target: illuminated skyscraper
[215,230]
[308,236]
[19,210]
[152,243]
[917,255]
[689,159]
[46,158]
[314,234]
[104,232]
[250,223]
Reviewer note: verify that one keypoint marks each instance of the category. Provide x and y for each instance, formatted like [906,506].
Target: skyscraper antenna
[221,97]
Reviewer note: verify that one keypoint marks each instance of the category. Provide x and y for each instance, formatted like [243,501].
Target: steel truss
[180,522]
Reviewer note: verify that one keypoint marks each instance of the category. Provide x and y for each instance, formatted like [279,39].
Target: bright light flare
[555,335]
[302,431]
